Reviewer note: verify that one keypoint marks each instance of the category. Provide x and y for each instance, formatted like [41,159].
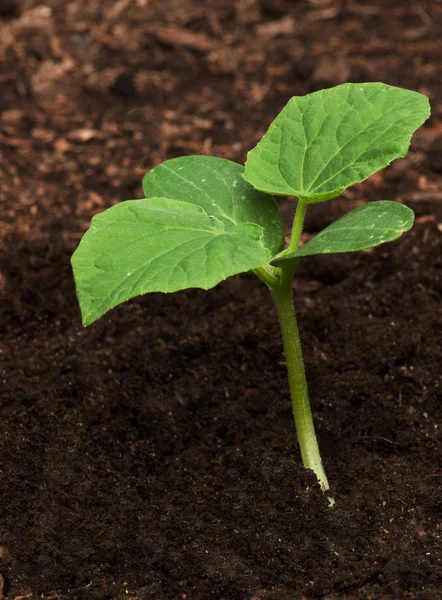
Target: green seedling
[204,219]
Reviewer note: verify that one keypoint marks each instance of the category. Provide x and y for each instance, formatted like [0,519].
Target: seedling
[204,219]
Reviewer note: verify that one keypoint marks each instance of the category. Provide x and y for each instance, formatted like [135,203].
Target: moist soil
[153,454]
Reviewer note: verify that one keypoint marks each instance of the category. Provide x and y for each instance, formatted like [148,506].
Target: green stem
[298,223]
[279,281]
[283,297]
[270,275]
[291,266]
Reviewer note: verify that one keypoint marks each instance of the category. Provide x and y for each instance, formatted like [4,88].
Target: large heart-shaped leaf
[159,245]
[217,186]
[324,142]
[201,224]
[363,227]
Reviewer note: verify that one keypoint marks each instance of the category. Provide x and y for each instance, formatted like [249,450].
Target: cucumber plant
[204,219]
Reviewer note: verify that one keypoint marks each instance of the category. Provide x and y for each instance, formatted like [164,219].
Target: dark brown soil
[153,455]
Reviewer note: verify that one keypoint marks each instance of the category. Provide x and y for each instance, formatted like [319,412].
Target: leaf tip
[86,320]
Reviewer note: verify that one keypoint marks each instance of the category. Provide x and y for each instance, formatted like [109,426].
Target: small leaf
[363,227]
[324,142]
[159,245]
[217,186]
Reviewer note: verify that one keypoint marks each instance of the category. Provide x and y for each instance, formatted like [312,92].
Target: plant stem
[298,222]
[291,266]
[269,274]
[280,284]
[279,281]
[283,297]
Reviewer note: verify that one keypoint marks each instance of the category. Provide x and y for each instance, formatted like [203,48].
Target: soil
[153,454]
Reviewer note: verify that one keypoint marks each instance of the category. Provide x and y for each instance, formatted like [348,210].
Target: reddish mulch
[153,455]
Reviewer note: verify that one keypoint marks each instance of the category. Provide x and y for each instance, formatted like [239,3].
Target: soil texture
[153,454]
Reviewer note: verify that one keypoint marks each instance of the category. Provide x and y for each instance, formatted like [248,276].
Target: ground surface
[153,454]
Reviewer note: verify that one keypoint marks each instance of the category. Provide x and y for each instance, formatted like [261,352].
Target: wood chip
[173,35]
[422,196]
[61,145]
[15,142]
[415,33]
[12,116]
[365,10]
[327,13]
[117,9]
[273,29]
[426,219]
[84,135]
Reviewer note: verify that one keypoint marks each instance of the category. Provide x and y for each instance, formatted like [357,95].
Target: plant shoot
[205,219]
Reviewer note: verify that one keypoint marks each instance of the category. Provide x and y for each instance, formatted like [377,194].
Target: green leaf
[217,186]
[324,142]
[364,227]
[159,245]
